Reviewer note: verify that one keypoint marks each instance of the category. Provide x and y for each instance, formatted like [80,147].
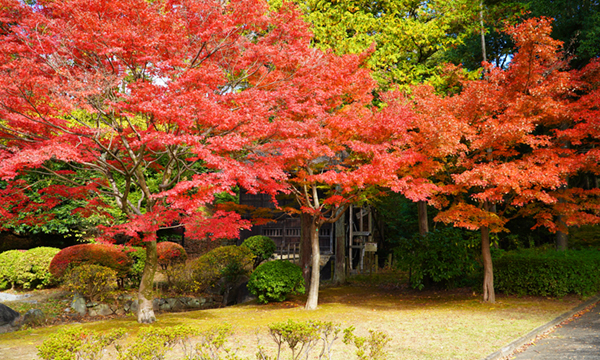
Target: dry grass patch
[422,325]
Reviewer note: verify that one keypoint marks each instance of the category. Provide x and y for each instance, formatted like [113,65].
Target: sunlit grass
[422,325]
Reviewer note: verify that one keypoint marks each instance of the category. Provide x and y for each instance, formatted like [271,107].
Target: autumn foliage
[110,256]
[170,253]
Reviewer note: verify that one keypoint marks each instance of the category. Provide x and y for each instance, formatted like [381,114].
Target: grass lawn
[422,325]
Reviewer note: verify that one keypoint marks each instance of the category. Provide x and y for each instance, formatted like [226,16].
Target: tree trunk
[313,292]
[305,246]
[339,277]
[145,313]
[423,221]
[562,239]
[488,270]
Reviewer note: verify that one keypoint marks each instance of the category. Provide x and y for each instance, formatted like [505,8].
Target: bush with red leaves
[107,255]
[170,253]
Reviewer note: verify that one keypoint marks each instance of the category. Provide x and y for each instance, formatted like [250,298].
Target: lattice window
[273,232]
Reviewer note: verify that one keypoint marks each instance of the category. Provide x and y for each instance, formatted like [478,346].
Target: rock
[79,305]
[156,304]
[133,307]
[7,315]
[165,305]
[10,320]
[125,297]
[100,309]
[34,317]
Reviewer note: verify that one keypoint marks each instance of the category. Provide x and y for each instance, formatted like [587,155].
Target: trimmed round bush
[33,268]
[110,256]
[170,253]
[8,267]
[228,262]
[261,246]
[93,282]
[275,280]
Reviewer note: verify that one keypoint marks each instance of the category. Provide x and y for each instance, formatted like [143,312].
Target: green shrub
[442,257]
[226,262]
[170,253]
[229,262]
[33,268]
[8,267]
[275,280]
[371,348]
[77,343]
[548,273]
[93,282]
[99,254]
[261,246]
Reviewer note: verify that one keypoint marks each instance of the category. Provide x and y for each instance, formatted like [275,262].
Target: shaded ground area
[577,338]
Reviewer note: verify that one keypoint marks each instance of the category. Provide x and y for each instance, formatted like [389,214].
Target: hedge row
[548,273]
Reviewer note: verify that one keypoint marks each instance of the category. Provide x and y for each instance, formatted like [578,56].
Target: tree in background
[576,24]
[409,37]
[158,106]
[509,159]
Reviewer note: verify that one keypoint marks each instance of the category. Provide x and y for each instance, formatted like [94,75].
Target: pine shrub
[261,246]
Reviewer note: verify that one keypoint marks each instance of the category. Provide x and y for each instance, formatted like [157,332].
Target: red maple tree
[155,107]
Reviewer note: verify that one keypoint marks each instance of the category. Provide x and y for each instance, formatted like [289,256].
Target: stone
[34,317]
[165,306]
[10,320]
[156,304]
[8,315]
[192,302]
[125,297]
[79,305]
[100,310]
[134,306]
[176,304]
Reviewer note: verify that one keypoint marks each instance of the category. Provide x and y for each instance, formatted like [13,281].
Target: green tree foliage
[441,257]
[409,36]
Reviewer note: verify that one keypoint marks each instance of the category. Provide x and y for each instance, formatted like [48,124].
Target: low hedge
[548,273]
